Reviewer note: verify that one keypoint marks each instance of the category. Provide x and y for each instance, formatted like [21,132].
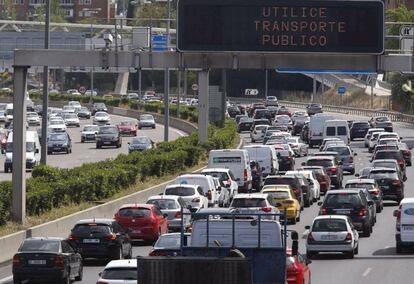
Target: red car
[143,221]
[128,128]
[297,269]
[322,177]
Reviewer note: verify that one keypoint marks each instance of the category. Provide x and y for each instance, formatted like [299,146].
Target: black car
[262,114]
[257,176]
[298,125]
[292,181]
[304,134]
[352,203]
[43,260]
[59,142]
[389,183]
[331,165]
[140,143]
[312,109]
[233,111]
[98,107]
[286,160]
[101,238]
[169,244]
[84,112]
[108,135]
[359,129]
[391,154]
[245,124]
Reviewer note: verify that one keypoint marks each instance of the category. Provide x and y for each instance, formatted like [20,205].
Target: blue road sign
[341,90]
[159,42]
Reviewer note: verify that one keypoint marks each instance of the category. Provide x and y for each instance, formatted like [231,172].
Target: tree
[57,14]
[9,11]
[400,14]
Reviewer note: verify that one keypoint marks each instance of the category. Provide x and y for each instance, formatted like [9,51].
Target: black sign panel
[281,26]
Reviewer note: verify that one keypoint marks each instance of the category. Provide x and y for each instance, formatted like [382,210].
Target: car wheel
[79,277]
[66,280]
[153,127]
[49,152]
[307,202]
[82,141]
[310,255]
[350,254]
[17,280]
[356,250]
[366,231]
[253,141]
[119,254]
[139,127]
[98,146]
[379,209]
[6,169]
[352,172]
[293,221]
[398,248]
[67,150]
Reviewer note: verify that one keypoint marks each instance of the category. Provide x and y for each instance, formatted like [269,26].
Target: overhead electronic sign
[302,26]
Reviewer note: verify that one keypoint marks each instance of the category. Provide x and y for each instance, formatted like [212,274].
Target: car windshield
[383,175]
[347,200]
[146,117]
[108,130]
[248,202]
[361,125]
[180,191]
[135,212]
[40,245]
[140,140]
[31,114]
[329,225]
[91,128]
[342,151]
[99,105]
[279,194]
[86,230]
[321,163]
[170,241]
[30,146]
[360,185]
[120,273]
[84,109]
[164,203]
[57,137]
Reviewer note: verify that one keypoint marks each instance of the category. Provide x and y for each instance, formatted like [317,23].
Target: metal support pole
[314,88]
[372,92]
[168,22]
[178,92]
[224,95]
[266,82]
[45,101]
[91,47]
[139,84]
[19,146]
[203,105]
[323,87]
[185,83]
[166,103]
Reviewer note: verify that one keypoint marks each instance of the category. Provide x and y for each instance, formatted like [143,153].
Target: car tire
[79,277]
[379,209]
[352,172]
[298,218]
[356,250]
[17,280]
[398,248]
[6,169]
[66,280]
[67,150]
[293,221]
[119,254]
[98,146]
[310,255]
[307,202]
[366,231]
[49,152]
[153,127]
[350,254]
[82,141]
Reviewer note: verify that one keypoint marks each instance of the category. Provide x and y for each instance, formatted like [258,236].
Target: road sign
[341,90]
[159,42]
[82,90]
[194,87]
[251,92]
[317,26]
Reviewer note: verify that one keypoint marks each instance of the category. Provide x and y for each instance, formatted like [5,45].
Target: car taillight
[333,170]
[401,162]
[310,237]
[266,209]
[196,199]
[178,215]
[157,253]
[362,212]
[59,261]
[296,190]
[348,237]
[111,237]
[73,238]
[323,211]
[406,152]
[245,174]
[375,192]
[291,267]
[16,261]
[396,183]
[101,282]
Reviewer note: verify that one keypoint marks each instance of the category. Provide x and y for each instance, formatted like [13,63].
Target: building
[392,4]
[74,10]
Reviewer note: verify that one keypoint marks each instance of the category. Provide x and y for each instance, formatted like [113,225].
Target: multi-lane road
[87,152]
[376,262]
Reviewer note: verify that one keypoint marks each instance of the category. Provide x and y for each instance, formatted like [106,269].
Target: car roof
[341,191]
[224,170]
[321,158]
[216,210]
[362,180]
[132,263]
[250,195]
[136,205]
[45,239]
[383,169]
[270,189]
[321,217]
[407,200]
[385,160]
[157,197]
[106,221]
[181,185]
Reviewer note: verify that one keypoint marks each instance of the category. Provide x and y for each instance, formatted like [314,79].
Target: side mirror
[370,202]
[307,227]
[401,138]
[129,143]
[357,175]
[355,154]
[303,163]
[37,151]
[100,274]
[165,215]
[308,261]
[3,151]
[404,178]
[395,213]
[320,203]
[189,207]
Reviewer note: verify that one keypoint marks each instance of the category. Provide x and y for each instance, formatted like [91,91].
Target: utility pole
[45,102]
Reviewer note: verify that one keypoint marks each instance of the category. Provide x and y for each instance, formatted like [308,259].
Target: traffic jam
[248,205]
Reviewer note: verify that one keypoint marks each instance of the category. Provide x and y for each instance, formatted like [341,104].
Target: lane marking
[6,279]
[366,272]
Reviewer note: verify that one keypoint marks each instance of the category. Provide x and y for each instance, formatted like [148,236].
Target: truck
[224,248]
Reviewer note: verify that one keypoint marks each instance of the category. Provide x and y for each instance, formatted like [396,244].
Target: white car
[101,118]
[326,140]
[373,141]
[32,118]
[226,178]
[284,120]
[255,203]
[71,119]
[192,195]
[313,182]
[119,271]
[57,125]
[300,149]
[369,133]
[68,109]
[258,133]
[76,105]
[89,133]
[332,233]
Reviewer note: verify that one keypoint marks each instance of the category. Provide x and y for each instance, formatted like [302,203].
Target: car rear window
[342,151]
[281,180]
[120,273]
[279,194]
[91,229]
[180,191]
[389,155]
[320,163]
[164,203]
[347,200]
[341,130]
[134,212]
[248,202]
[330,131]
[360,185]
[383,175]
[384,165]
[361,125]
[329,225]
[40,245]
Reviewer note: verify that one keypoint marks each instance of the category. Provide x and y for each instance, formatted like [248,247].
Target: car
[308,193]
[254,107]
[56,125]
[300,149]
[128,127]
[262,114]
[312,180]
[332,233]
[101,118]
[331,165]
[404,236]
[269,131]
[283,110]
[75,104]
[313,108]
[98,107]
[326,140]
[169,245]
[239,117]
[101,238]
[142,221]
[304,134]
[378,147]
[271,101]
[47,259]
[226,178]
[108,136]
[59,142]
[71,119]
[390,163]
[331,144]
[391,154]
[299,124]
[389,182]
[406,151]
[140,143]
[367,136]
[272,110]
[257,134]
[347,157]
[32,118]
[358,129]
[146,120]
[260,121]
[84,112]
[233,111]
[364,172]
[373,141]
[321,175]
[371,203]
[254,203]
[351,203]
[381,122]
[286,160]
[291,181]
[89,133]
[245,124]
[372,186]
[297,268]
[193,195]
[284,120]
[285,200]
[297,114]
[172,206]
[119,271]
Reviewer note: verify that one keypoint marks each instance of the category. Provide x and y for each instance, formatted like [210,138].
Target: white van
[32,151]
[237,161]
[266,156]
[337,128]
[205,182]
[404,235]
[245,233]
[316,127]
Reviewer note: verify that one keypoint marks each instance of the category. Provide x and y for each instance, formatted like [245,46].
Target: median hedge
[51,187]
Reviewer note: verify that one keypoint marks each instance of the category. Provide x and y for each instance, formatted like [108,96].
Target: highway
[87,152]
[376,262]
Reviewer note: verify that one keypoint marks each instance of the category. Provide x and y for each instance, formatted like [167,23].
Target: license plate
[136,231]
[90,241]
[37,261]
[56,148]
[408,227]
[107,142]
[329,237]
[343,211]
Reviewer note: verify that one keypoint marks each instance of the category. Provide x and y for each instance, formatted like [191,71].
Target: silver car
[146,120]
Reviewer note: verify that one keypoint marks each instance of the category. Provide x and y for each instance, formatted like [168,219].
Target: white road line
[366,272]
[6,279]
